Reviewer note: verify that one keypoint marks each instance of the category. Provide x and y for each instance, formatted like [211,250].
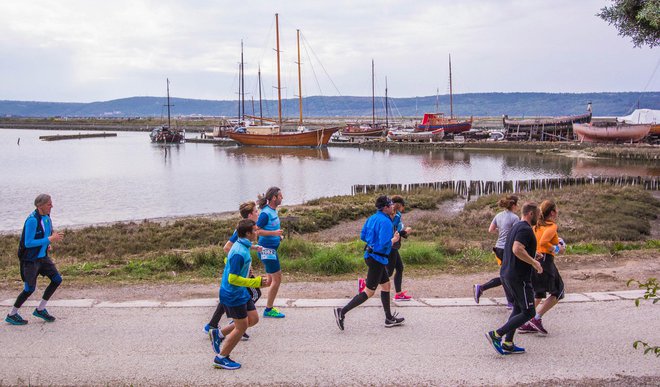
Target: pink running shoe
[361,285]
[526,328]
[402,296]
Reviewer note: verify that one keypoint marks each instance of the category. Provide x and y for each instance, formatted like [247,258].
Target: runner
[269,221]
[33,257]
[394,260]
[549,281]
[501,224]
[516,274]
[248,210]
[235,297]
[379,234]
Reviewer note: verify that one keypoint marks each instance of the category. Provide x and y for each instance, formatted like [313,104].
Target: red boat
[436,121]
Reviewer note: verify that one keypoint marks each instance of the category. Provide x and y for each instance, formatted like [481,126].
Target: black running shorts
[30,270]
[377,273]
[521,291]
[239,312]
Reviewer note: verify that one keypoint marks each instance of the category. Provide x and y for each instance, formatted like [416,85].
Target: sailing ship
[164,134]
[311,138]
[434,122]
[373,129]
[611,132]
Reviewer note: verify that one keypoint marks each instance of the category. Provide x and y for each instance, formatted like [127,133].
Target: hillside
[474,104]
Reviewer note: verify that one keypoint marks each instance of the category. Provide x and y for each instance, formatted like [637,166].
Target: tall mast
[261,114]
[168,104]
[238,98]
[299,79]
[279,87]
[373,96]
[386,107]
[451,93]
[437,99]
[242,84]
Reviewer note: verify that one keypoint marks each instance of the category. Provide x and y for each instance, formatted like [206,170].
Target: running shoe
[361,285]
[512,349]
[15,319]
[526,328]
[43,314]
[207,328]
[226,363]
[537,325]
[273,313]
[216,339]
[245,337]
[496,342]
[476,288]
[394,321]
[402,296]
[339,318]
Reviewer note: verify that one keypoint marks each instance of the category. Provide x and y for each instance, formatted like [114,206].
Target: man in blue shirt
[235,296]
[270,235]
[379,235]
[34,261]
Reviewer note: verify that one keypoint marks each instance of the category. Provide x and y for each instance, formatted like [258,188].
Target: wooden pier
[479,187]
[78,136]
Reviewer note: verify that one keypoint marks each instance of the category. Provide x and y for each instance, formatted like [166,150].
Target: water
[128,178]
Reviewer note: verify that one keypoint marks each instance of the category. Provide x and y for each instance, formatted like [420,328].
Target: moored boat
[611,132]
[313,138]
[164,134]
[413,136]
[435,121]
[357,130]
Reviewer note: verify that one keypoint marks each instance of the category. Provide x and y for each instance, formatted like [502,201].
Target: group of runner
[525,249]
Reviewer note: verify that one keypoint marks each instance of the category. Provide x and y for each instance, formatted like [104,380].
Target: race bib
[268,254]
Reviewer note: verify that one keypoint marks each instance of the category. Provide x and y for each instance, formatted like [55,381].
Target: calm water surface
[128,178]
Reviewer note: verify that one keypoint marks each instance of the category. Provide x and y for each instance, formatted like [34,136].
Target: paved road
[437,346]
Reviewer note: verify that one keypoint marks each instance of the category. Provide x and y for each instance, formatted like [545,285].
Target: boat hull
[410,136]
[611,133]
[363,132]
[453,128]
[556,123]
[165,136]
[313,138]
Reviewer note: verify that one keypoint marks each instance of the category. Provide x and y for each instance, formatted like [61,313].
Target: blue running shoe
[43,314]
[226,363]
[510,349]
[273,313]
[15,319]
[216,339]
[207,328]
[495,342]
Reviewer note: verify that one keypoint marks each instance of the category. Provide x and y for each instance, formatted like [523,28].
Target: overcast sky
[88,50]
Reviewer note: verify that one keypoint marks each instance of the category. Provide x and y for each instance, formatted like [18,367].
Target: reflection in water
[277,153]
[600,167]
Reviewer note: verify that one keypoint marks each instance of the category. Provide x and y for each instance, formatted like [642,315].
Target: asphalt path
[438,345]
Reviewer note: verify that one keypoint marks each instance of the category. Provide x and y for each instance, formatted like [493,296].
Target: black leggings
[523,307]
[395,263]
[48,293]
[219,311]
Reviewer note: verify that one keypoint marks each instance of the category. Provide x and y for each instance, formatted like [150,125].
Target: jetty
[78,136]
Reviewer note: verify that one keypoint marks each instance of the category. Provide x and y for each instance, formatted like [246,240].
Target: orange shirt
[546,237]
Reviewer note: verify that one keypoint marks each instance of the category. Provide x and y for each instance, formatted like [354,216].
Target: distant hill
[473,104]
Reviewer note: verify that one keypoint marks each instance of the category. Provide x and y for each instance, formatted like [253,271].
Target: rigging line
[306,44]
[639,96]
[316,79]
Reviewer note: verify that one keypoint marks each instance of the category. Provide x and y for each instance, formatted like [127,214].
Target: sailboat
[435,122]
[164,134]
[313,138]
[374,129]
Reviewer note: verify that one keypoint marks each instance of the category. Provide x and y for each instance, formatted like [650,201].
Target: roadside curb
[329,302]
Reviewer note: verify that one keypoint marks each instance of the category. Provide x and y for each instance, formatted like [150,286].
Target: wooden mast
[373,96]
[261,114]
[279,86]
[451,93]
[300,102]
[387,124]
[169,125]
[242,84]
